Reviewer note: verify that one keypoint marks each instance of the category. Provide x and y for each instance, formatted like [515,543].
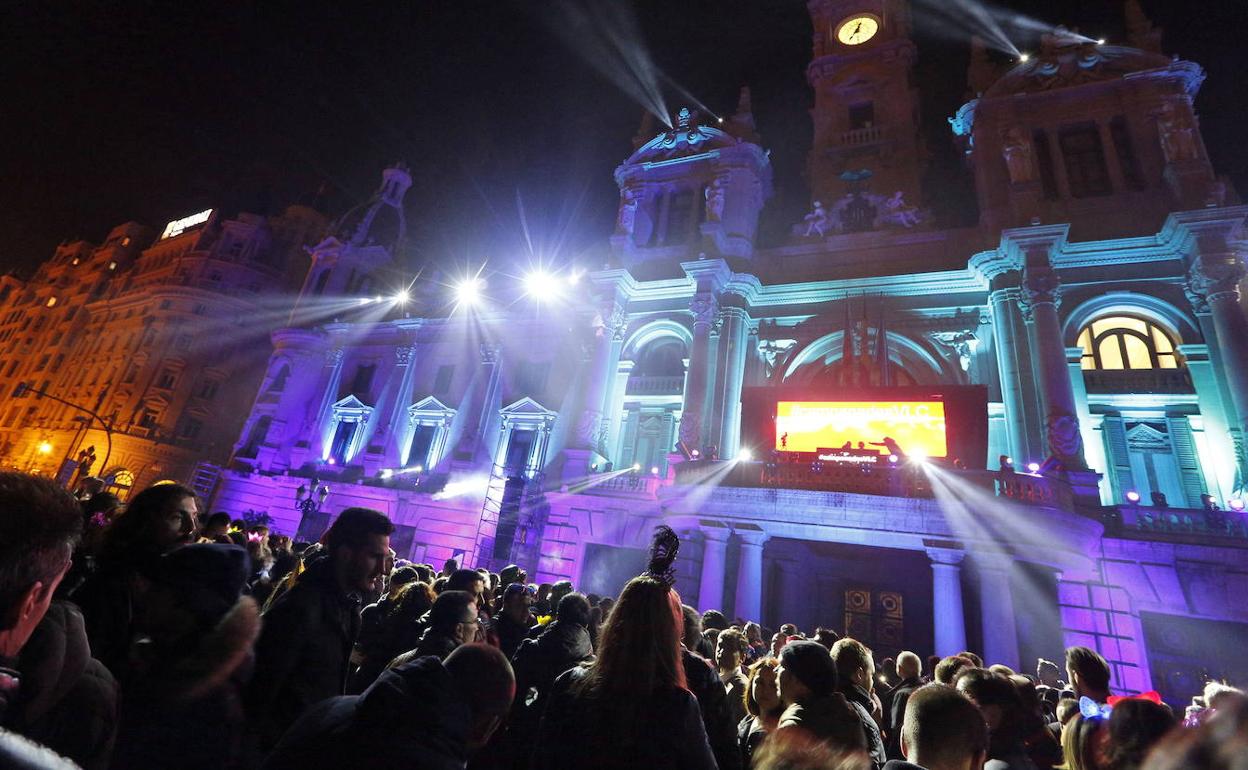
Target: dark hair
[947,669]
[973,658]
[484,677]
[39,525]
[736,638]
[100,502]
[464,580]
[827,637]
[849,655]
[402,576]
[638,646]
[217,519]
[988,688]
[691,625]
[354,526]
[449,609]
[714,619]
[1092,669]
[1218,744]
[1065,709]
[1135,726]
[132,536]
[413,600]
[943,724]
[574,608]
[751,705]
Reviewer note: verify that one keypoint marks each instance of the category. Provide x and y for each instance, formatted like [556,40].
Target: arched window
[1127,342]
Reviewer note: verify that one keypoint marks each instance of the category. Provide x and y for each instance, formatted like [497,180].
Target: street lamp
[310,500]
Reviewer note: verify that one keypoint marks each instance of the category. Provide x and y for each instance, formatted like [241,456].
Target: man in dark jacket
[855,671]
[304,651]
[426,714]
[806,680]
[910,669]
[515,620]
[51,689]
[452,621]
[721,731]
[942,730]
[538,662]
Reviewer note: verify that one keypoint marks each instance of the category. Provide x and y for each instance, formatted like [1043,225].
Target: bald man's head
[484,677]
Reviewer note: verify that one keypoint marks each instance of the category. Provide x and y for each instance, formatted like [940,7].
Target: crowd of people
[142,636]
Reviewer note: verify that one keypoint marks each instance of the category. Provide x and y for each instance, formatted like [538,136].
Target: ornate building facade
[142,343]
[1095,311]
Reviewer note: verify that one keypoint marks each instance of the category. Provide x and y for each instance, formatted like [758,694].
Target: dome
[379,221]
[1067,59]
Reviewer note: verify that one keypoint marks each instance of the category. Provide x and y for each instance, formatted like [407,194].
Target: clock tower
[866,113]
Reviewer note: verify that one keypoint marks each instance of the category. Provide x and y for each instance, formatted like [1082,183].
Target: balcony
[1137,380]
[860,137]
[671,385]
[1188,525]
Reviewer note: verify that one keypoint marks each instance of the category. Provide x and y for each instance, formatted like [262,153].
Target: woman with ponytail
[631,707]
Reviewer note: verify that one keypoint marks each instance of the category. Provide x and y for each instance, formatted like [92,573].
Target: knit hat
[209,577]
[812,664]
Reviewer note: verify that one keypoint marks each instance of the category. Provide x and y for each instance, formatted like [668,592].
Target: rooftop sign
[179,226]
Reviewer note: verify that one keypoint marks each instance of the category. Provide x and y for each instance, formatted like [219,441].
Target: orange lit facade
[156,332]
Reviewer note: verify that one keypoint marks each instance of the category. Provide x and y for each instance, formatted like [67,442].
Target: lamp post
[25,387]
[309,500]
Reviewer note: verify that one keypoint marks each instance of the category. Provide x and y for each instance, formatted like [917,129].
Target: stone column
[1213,288]
[749,605]
[733,337]
[1004,308]
[591,430]
[324,418]
[948,619]
[704,308]
[1041,295]
[996,601]
[714,553]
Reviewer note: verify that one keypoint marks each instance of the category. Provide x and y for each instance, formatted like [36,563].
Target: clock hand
[857,29]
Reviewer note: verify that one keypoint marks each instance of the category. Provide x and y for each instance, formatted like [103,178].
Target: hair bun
[663,549]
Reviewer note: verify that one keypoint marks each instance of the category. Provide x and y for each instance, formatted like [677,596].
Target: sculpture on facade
[715,200]
[895,211]
[817,221]
[1016,148]
[1178,134]
[628,212]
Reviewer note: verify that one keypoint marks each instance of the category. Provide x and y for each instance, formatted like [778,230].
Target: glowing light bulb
[918,456]
[1033,467]
[636,466]
[468,291]
[402,296]
[44,447]
[1024,57]
[1236,504]
[1133,497]
[386,473]
[332,461]
[542,286]
[745,455]
[654,471]
[1100,41]
[893,459]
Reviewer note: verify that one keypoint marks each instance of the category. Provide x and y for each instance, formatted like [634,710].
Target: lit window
[1127,342]
[112,265]
[51,302]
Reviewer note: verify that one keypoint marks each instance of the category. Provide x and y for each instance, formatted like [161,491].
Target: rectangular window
[442,382]
[362,383]
[1084,157]
[190,429]
[861,115]
[43,363]
[208,389]
[679,217]
[166,380]
[148,420]
[1125,151]
[1044,158]
[422,442]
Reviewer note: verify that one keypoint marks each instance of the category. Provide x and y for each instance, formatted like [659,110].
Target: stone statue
[628,212]
[1178,134]
[1063,435]
[715,200]
[1016,148]
[897,212]
[816,220]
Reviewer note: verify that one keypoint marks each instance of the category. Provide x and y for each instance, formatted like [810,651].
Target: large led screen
[917,427]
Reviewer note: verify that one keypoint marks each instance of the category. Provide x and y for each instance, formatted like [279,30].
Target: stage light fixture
[542,286]
[1033,467]
[636,466]
[745,455]
[468,291]
[419,469]
[1024,57]
[386,473]
[1100,41]
[893,459]
[332,461]
[1133,497]
[402,296]
[1009,461]
[1236,504]
[695,453]
[654,471]
[918,457]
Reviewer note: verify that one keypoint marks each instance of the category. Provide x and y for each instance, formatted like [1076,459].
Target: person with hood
[183,705]
[427,714]
[855,672]
[806,681]
[51,690]
[157,520]
[631,707]
[303,655]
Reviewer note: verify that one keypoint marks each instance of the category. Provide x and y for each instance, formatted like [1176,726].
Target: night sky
[150,111]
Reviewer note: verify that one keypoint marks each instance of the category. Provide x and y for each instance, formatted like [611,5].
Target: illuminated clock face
[858,29]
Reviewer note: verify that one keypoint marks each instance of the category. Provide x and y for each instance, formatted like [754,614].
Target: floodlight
[419,469]
[636,466]
[332,461]
[1024,57]
[542,286]
[918,456]
[1100,41]
[654,471]
[745,455]
[1237,504]
[386,473]
[1033,467]
[1133,497]
[893,459]
[468,291]
[402,296]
